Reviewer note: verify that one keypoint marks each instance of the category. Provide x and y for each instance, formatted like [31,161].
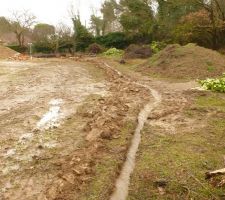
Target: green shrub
[113,52]
[18,48]
[117,40]
[217,84]
[43,47]
[157,46]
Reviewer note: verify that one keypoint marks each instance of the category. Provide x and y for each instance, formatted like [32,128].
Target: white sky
[50,11]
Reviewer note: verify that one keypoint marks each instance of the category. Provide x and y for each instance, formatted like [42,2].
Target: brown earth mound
[137,51]
[6,52]
[190,61]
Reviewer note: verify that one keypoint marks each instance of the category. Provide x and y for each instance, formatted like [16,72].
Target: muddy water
[123,181]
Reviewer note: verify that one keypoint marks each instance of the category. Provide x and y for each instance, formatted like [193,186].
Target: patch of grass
[103,181]
[170,158]
[181,159]
[213,101]
[210,68]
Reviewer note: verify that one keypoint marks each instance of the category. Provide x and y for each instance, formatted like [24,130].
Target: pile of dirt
[189,62]
[137,51]
[6,52]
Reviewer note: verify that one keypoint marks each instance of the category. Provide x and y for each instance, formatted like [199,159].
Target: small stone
[106,135]
[122,61]
[77,172]
[161,183]
[40,147]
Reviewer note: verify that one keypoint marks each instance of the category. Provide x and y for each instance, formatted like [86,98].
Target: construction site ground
[66,126]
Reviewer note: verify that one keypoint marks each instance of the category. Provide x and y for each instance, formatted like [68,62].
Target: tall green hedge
[113,40]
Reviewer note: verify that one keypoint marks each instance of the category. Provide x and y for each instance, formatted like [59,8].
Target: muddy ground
[66,127]
[36,98]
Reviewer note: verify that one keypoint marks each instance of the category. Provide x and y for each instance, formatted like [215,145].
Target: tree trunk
[214,29]
[22,40]
[19,39]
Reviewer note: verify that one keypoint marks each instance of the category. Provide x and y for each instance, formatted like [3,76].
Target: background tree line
[120,23]
[171,21]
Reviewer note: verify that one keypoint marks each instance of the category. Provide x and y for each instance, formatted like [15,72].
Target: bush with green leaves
[18,48]
[116,39]
[113,52]
[217,84]
[157,46]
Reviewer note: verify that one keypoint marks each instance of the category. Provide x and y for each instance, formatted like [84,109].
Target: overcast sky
[50,11]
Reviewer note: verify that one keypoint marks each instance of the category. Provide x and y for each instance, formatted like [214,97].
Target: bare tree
[216,10]
[21,22]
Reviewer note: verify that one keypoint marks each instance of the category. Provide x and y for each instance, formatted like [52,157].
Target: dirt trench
[122,183]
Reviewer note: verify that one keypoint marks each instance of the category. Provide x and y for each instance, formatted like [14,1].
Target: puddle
[10,153]
[52,118]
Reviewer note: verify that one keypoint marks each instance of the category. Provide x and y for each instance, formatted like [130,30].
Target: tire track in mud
[123,181]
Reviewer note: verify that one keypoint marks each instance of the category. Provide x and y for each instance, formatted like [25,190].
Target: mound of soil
[136,51]
[95,48]
[189,62]
[6,52]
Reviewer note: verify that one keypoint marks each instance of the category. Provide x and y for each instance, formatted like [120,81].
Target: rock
[40,147]
[106,135]
[122,62]
[161,183]
[77,172]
